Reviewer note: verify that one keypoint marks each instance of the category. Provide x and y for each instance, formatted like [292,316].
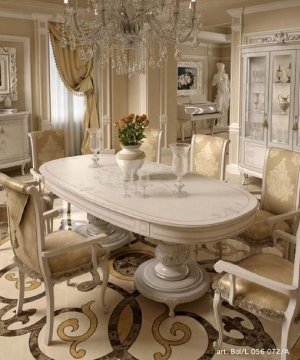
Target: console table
[212,211]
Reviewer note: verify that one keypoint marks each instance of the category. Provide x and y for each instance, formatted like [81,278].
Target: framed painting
[8,73]
[188,77]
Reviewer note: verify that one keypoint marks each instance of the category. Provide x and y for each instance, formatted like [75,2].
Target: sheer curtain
[67,110]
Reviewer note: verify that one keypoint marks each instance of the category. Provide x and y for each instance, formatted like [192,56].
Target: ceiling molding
[278,5]
[213,37]
[235,12]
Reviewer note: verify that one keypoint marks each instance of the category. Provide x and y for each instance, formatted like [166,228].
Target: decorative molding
[279,38]
[272,37]
[214,37]
[235,12]
[278,5]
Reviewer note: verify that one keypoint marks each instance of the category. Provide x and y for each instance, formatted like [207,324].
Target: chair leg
[49,310]
[286,330]
[69,208]
[218,318]
[21,292]
[105,271]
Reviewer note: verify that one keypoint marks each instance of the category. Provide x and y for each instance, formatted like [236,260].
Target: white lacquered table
[212,211]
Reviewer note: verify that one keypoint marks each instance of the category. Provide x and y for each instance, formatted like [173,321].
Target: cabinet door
[255,91]
[282,86]
[13,140]
[296,125]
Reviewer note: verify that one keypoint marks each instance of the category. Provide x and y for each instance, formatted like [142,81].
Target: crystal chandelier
[132,34]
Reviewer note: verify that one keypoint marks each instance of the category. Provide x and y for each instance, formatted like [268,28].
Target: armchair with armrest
[50,257]
[264,284]
[46,145]
[207,157]
[279,195]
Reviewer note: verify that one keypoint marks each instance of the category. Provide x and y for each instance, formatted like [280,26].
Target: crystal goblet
[144,181]
[95,145]
[180,165]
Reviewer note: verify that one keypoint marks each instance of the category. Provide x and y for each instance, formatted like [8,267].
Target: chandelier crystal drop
[132,34]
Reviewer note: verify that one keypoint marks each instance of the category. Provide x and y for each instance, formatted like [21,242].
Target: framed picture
[8,73]
[189,75]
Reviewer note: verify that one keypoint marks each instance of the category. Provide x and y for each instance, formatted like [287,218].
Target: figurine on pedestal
[221,80]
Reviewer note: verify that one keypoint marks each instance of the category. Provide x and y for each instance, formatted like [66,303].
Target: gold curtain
[77,75]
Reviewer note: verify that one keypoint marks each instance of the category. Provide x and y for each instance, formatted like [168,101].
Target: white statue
[221,80]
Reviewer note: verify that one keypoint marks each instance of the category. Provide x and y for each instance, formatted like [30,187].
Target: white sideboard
[14,145]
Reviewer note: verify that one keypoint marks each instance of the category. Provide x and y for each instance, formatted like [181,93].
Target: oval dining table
[211,211]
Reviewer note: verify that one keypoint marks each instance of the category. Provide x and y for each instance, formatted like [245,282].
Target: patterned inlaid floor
[134,328]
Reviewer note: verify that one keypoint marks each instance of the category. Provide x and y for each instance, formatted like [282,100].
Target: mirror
[8,74]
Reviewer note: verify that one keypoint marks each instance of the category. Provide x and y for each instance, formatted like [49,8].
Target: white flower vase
[130,159]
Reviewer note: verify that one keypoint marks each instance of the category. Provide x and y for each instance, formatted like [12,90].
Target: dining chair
[151,144]
[50,257]
[207,157]
[46,145]
[279,195]
[266,285]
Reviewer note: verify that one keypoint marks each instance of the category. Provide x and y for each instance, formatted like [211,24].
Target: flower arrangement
[131,129]
[185,80]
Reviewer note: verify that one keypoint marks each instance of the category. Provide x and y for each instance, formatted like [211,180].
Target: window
[67,109]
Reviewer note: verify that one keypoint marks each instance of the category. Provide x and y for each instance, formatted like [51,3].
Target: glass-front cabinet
[270,97]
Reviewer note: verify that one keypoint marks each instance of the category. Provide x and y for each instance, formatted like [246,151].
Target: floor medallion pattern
[134,328]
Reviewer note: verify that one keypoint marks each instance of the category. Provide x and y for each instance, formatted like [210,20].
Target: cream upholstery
[280,194]
[46,145]
[151,144]
[265,285]
[208,155]
[52,257]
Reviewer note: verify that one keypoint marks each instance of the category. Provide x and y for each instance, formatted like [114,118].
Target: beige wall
[288,18]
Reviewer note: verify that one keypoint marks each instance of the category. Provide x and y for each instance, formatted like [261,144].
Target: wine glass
[144,180]
[180,165]
[95,145]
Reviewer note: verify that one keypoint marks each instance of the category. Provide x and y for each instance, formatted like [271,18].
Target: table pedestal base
[117,237]
[171,292]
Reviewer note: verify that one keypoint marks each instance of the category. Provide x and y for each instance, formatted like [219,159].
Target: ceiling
[214,12]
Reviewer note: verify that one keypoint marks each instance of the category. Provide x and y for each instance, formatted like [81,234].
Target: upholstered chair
[46,145]
[265,285]
[279,195]
[207,156]
[51,257]
[151,144]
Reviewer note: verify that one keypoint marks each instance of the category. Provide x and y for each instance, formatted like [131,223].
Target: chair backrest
[280,186]
[151,145]
[46,145]
[207,155]
[26,228]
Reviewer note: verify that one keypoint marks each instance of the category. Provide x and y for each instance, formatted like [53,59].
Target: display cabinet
[14,145]
[269,102]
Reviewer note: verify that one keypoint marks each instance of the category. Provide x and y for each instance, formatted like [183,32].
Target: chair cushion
[259,230]
[70,260]
[256,298]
